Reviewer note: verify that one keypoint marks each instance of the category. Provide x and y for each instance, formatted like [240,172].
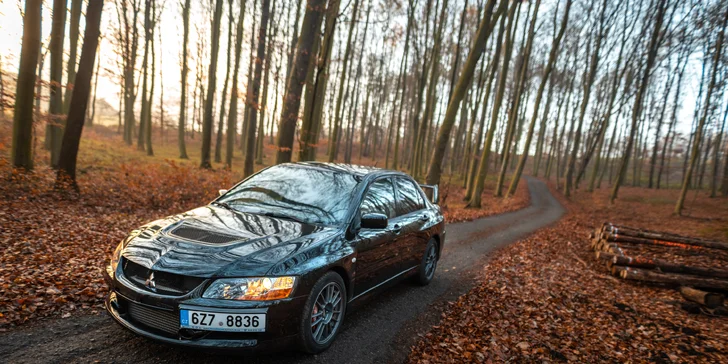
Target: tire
[428,265]
[317,338]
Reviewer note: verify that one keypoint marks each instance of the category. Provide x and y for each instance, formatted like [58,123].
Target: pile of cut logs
[696,266]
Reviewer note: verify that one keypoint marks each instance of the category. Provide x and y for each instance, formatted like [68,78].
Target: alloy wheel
[326,313]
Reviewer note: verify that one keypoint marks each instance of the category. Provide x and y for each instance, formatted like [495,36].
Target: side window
[379,198]
[409,198]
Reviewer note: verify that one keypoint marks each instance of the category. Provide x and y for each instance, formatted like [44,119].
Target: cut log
[675,279]
[667,237]
[609,257]
[630,239]
[708,299]
[668,267]
[617,270]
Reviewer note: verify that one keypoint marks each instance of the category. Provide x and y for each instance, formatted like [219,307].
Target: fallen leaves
[537,303]
[56,245]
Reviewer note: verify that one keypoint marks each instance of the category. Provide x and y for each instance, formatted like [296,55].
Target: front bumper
[156,317]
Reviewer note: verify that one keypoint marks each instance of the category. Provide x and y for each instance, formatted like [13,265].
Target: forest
[590,93]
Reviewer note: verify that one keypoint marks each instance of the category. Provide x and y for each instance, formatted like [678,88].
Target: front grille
[167,321]
[165,283]
[202,235]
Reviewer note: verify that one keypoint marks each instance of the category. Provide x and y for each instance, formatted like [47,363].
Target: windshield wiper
[285,217]
[224,205]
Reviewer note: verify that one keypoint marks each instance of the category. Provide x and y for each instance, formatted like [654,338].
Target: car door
[377,255]
[411,219]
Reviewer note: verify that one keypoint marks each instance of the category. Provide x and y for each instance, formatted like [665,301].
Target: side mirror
[374,221]
[222,192]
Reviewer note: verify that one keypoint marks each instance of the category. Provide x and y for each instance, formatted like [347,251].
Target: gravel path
[382,331]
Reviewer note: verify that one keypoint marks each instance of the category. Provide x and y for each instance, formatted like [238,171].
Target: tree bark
[22,148]
[707,299]
[637,109]
[233,116]
[73,32]
[706,108]
[181,125]
[55,109]
[335,135]
[253,99]
[502,78]
[674,279]
[485,29]
[81,92]
[292,98]
[553,56]
[221,120]
[211,86]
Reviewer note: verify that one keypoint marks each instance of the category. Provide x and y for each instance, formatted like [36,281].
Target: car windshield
[302,193]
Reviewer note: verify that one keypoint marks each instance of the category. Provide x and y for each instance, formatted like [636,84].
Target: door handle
[396,229]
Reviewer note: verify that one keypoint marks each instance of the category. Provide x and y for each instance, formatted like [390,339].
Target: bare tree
[22,148]
[81,92]
[212,83]
[694,154]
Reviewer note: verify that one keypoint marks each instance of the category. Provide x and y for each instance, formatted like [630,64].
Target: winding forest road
[382,331]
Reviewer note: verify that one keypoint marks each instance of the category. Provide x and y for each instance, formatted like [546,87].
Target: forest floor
[55,245]
[546,299]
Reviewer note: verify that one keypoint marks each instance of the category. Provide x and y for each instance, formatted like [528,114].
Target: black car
[276,260]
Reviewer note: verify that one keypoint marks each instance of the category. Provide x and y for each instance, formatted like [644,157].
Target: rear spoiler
[432,192]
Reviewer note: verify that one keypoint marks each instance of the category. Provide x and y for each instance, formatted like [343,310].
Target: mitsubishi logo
[149,283]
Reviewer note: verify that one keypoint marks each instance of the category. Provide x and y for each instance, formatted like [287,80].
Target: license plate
[219,321]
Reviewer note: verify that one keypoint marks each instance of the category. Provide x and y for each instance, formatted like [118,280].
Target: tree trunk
[253,98]
[292,98]
[637,109]
[145,71]
[264,102]
[96,89]
[312,121]
[73,31]
[335,135]
[484,31]
[55,109]
[588,82]
[716,156]
[81,91]
[211,85]
[706,109]
[22,149]
[181,125]
[403,81]
[221,120]
[517,96]
[502,78]
[233,116]
[553,56]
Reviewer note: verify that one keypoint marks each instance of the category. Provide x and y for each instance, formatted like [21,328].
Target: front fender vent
[202,235]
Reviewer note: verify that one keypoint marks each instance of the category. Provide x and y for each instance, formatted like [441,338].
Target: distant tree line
[586,92]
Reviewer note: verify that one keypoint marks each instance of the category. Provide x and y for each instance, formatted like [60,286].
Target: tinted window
[308,194]
[379,198]
[409,198]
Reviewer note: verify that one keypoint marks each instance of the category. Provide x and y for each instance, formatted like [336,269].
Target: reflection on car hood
[216,242]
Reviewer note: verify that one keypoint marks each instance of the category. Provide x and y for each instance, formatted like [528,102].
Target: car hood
[215,242]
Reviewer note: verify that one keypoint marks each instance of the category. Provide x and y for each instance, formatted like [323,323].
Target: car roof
[353,169]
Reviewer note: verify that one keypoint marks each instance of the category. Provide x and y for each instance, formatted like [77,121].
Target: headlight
[251,289]
[115,258]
